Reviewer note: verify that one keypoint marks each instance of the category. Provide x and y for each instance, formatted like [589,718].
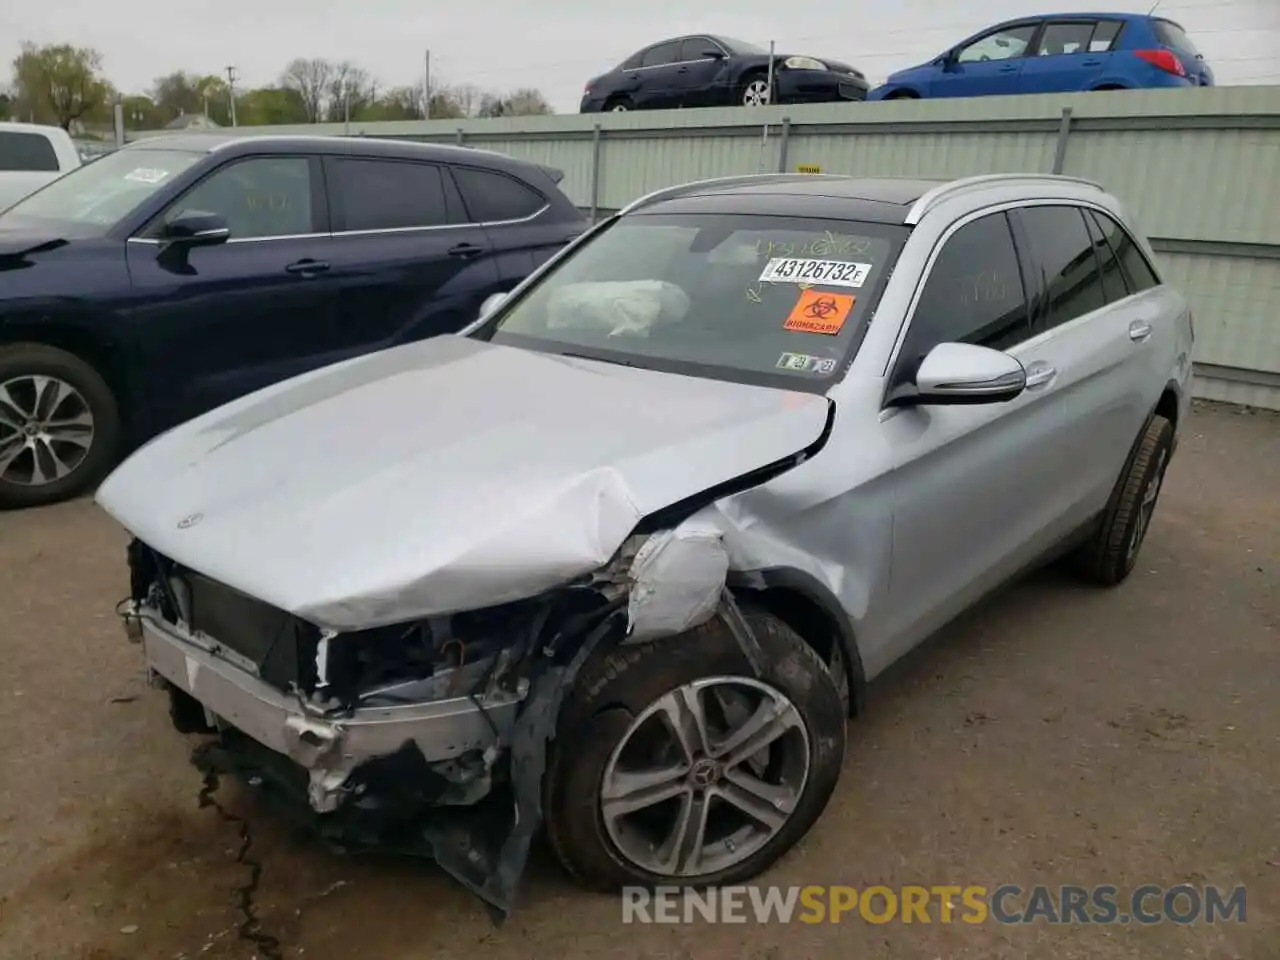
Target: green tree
[270,105]
[141,113]
[6,106]
[59,83]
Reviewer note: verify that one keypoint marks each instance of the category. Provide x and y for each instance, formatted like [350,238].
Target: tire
[84,397]
[617,687]
[618,105]
[752,82]
[902,95]
[1109,556]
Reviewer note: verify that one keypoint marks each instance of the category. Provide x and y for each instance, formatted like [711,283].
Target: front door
[660,87]
[218,322]
[989,66]
[407,259]
[700,76]
[969,481]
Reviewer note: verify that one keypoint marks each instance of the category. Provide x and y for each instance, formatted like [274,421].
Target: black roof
[237,144]
[878,200]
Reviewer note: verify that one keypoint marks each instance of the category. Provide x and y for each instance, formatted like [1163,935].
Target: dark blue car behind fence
[185,271]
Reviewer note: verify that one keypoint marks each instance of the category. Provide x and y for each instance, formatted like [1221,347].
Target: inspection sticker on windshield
[831,273]
[803,363]
[146,175]
[819,312]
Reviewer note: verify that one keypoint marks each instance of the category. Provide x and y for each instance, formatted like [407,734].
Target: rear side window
[974,294]
[1062,252]
[1137,271]
[27,152]
[662,53]
[1063,38]
[388,195]
[1172,35]
[1104,36]
[1114,286]
[491,197]
[633,61]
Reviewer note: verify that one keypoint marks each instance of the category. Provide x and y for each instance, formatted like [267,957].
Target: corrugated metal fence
[1199,169]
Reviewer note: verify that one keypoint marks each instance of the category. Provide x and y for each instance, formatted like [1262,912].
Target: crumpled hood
[446,475]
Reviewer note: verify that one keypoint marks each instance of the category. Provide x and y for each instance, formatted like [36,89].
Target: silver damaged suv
[618,560]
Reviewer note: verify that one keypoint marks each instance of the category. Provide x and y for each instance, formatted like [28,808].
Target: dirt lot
[1057,735]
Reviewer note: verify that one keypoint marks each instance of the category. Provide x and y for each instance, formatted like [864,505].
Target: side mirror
[491,303]
[195,228]
[713,53]
[961,373]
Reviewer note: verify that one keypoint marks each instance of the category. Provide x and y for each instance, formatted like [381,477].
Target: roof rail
[668,193]
[931,198]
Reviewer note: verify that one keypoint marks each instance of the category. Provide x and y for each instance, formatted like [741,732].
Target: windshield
[739,46]
[776,301]
[91,199]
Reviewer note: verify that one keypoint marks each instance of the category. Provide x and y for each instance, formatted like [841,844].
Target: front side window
[1063,253]
[27,152]
[695,48]
[388,195]
[1002,45]
[974,294]
[777,301]
[91,199]
[260,197]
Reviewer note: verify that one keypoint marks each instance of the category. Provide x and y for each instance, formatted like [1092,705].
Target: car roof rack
[945,191]
[680,190]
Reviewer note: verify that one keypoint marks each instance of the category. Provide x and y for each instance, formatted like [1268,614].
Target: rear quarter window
[1172,35]
[492,197]
[27,152]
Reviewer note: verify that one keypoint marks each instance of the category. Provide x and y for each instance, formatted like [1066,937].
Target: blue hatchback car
[1058,53]
[182,272]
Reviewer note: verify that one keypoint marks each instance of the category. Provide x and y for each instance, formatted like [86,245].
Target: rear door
[1070,55]
[408,261]
[220,321]
[511,212]
[987,66]
[1090,349]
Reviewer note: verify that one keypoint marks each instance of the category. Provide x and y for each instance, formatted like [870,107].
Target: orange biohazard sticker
[819,312]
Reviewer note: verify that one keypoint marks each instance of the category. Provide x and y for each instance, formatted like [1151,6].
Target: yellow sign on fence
[808,168]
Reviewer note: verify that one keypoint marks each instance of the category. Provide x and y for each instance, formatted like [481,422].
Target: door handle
[1040,375]
[683,70]
[465,250]
[1010,68]
[1139,331]
[1091,63]
[307,267]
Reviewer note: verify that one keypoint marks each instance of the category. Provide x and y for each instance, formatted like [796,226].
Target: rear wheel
[59,425]
[618,105]
[1110,555]
[902,95]
[678,765]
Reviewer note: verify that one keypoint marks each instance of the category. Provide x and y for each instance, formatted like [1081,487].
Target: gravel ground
[1056,735]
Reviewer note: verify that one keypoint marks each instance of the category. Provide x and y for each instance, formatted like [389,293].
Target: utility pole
[426,87]
[231,92]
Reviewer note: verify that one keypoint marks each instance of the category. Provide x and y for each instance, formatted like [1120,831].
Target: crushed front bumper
[329,746]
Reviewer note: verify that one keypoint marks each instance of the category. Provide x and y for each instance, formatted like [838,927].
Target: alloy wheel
[1147,507]
[756,94]
[704,777]
[46,430]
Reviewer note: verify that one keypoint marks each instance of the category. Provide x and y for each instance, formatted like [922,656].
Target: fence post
[595,170]
[459,137]
[1064,131]
[782,148]
[117,121]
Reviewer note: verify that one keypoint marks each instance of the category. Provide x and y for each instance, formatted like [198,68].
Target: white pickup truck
[30,156]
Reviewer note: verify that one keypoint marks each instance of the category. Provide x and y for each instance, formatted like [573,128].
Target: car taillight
[1163,59]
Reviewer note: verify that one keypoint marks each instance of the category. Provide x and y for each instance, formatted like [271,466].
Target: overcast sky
[502,44]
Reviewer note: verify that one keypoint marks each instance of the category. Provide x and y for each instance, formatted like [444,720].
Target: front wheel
[679,766]
[59,425]
[756,92]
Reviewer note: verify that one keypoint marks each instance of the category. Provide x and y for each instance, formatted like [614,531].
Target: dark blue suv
[184,271]
[1057,53]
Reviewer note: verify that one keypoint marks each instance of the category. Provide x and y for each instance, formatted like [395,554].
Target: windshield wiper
[583,356]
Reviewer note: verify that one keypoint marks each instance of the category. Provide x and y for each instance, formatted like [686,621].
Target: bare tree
[526,102]
[350,88]
[311,79]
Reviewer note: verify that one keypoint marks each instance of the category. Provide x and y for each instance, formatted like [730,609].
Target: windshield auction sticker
[830,273]
[819,312]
